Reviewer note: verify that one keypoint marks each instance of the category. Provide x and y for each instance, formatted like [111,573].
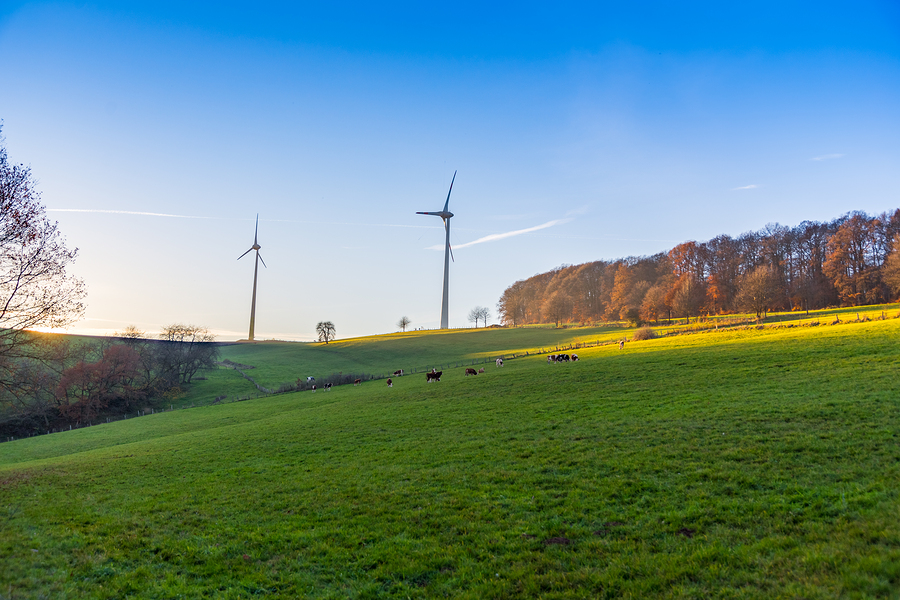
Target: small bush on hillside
[644,333]
[633,316]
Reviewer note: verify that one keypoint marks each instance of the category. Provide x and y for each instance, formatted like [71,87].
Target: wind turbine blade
[256,231]
[447,203]
[244,254]
[259,256]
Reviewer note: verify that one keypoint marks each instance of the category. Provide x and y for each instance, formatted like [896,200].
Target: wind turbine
[448,253]
[259,258]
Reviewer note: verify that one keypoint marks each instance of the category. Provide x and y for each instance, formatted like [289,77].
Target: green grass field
[736,463]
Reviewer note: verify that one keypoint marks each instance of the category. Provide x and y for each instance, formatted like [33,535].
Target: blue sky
[580,132]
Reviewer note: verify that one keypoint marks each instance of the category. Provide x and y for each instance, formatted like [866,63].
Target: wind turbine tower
[259,258]
[445,215]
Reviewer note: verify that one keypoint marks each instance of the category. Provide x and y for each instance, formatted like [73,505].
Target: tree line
[68,380]
[850,261]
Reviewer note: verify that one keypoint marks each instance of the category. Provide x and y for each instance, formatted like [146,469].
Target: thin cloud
[752,186]
[500,236]
[827,156]
[583,210]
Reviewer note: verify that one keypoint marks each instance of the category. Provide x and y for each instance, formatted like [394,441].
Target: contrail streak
[125,212]
[499,236]
[153,214]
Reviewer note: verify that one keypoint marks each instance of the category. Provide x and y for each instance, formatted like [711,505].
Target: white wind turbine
[448,253]
[259,258]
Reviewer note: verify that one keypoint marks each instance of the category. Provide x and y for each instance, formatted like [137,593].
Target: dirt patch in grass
[608,527]
[557,541]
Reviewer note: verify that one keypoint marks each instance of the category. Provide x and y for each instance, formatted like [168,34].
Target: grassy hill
[280,363]
[743,463]
[277,364]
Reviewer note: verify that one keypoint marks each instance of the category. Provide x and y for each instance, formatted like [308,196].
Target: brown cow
[481,370]
[357,381]
[398,373]
[470,372]
[433,376]
[390,382]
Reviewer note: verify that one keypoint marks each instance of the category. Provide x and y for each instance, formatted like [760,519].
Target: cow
[327,387]
[357,381]
[433,376]
[551,358]
[310,380]
[621,344]
[398,373]
[313,387]
[499,362]
[470,372]
[574,357]
[390,382]
[481,370]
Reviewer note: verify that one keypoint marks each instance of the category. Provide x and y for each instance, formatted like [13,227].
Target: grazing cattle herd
[435,375]
[561,358]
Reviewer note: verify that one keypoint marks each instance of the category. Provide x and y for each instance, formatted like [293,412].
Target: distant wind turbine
[448,252]
[259,258]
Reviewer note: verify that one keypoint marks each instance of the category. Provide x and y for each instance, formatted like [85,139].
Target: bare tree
[35,289]
[479,313]
[130,333]
[325,329]
[403,323]
[188,349]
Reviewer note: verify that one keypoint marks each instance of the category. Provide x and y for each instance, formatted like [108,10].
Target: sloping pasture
[751,464]
[275,364]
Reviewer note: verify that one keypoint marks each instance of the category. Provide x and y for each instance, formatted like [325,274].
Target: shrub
[644,333]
